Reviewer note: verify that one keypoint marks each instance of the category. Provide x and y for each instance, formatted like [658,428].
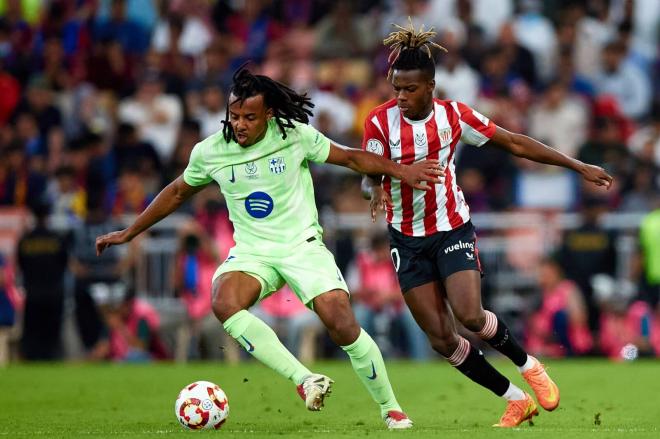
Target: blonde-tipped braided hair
[407,38]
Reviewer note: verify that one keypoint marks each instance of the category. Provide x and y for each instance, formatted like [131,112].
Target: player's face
[414,93]
[249,119]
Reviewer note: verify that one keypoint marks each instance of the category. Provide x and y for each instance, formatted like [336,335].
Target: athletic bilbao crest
[445,136]
[277,165]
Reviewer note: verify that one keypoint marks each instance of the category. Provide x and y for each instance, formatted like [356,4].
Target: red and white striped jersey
[388,133]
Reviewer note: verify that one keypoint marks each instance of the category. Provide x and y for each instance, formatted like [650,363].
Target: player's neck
[424,113]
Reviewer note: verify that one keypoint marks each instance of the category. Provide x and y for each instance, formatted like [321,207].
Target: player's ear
[269,114]
[431,84]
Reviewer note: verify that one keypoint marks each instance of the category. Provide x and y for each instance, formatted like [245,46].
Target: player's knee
[445,344]
[474,322]
[343,331]
[224,305]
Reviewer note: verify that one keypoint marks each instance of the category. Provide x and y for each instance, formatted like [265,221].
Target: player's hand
[380,200]
[113,238]
[596,175]
[420,173]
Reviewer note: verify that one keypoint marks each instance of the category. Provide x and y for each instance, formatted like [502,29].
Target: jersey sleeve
[476,129]
[374,139]
[195,173]
[314,143]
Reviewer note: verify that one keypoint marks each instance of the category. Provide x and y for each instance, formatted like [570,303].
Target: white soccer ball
[201,405]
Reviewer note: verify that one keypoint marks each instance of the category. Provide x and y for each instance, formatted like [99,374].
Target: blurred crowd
[101,102]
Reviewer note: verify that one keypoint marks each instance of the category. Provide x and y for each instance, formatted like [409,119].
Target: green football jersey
[267,186]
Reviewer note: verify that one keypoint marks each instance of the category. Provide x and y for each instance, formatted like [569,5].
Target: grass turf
[599,399]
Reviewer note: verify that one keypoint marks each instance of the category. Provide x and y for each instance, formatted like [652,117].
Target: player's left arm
[531,149]
[369,163]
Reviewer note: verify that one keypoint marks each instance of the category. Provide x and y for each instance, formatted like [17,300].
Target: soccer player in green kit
[261,159]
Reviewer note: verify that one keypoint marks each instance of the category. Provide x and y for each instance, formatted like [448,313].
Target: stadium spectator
[378,303]
[208,108]
[645,142]
[626,82]
[129,150]
[156,115]
[341,34]
[195,262]
[560,326]
[67,197]
[587,251]
[42,258]
[182,33]
[133,331]
[560,119]
[9,304]
[624,321]
[453,76]
[649,237]
[118,26]
[19,185]
[94,275]
[11,93]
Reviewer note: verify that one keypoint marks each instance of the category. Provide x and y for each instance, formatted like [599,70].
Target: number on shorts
[396,259]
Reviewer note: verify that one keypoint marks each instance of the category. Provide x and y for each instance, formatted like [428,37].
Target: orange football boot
[517,412]
[546,391]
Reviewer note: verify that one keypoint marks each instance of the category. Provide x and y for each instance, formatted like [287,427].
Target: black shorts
[420,260]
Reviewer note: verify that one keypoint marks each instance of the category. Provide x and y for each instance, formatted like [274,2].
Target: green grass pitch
[599,399]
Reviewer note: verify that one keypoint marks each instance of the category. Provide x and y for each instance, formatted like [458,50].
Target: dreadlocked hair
[287,105]
[411,49]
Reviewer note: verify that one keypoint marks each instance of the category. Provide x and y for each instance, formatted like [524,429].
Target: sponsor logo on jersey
[395,145]
[375,146]
[277,165]
[445,136]
[460,246]
[259,205]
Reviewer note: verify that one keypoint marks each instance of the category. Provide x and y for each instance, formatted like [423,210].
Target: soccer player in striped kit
[433,242]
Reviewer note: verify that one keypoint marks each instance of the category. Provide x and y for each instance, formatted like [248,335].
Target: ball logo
[259,204]
[374,145]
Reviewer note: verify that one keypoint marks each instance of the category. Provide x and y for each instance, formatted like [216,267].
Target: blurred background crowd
[101,102]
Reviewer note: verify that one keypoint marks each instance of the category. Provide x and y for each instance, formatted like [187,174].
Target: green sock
[261,341]
[368,364]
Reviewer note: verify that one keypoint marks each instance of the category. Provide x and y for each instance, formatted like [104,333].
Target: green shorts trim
[309,269]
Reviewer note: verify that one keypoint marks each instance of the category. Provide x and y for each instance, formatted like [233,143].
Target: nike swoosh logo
[232,179]
[250,346]
[373,372]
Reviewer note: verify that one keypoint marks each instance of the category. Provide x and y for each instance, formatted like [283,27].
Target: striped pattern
[443,208]
[461,352]
[490,327]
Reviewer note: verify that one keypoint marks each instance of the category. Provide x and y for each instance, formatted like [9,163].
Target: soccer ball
[201,405]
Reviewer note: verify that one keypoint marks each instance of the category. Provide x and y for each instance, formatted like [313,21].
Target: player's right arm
[371,186]
[166,202]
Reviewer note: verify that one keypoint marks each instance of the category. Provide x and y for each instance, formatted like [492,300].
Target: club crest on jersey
[251,170]
[445,136]
[420,139]
[277,165]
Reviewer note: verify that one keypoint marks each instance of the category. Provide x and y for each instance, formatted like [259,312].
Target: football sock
[369,366]
[514,393]
[261,341]
[528,365]
[473,365]
[497,334]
